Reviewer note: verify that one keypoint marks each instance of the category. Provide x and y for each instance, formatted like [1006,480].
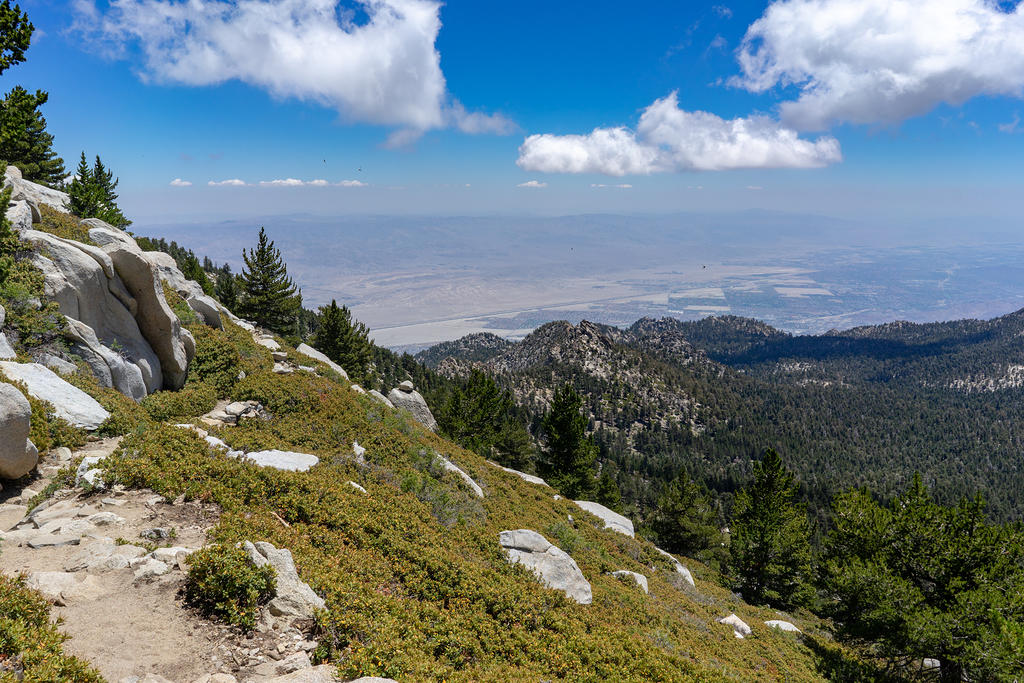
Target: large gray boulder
[17,454]
[283,460]
[32,193]
[639,579]
[205,306]
[70,403]
[173,346]
[20,216]
[680,569]
[552,565]
[781,625]
[740,629]
[405,397]
[294,599]
[310,352]
[82,280]
[612,520]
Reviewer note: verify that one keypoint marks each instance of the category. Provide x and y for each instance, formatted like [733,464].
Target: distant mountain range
[866,406]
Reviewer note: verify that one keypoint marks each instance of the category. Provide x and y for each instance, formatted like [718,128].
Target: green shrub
[191,401]
[180,307]
[126,415]
[223,582]
[47,430]
[63,225]
[30,644]
[218,360]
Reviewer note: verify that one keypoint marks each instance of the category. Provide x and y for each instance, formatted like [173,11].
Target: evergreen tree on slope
[570,454]
[343,340]
[269,297]
[686,521]
[770,547]
[15,35]
[24,141]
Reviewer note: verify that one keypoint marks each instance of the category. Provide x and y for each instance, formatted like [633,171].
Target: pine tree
[686,521]
[269,297]
[607,492]
[343,340]
[226,289]
[15,35]
[24,141]
[192,270]
[917,579]
[92,194]
[770,547]
[570,454]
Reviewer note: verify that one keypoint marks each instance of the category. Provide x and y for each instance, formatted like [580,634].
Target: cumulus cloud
[351,183]
[233,182]
[621,186]
[533,184]
[1010,126]
[283,182]
[881,61]
[381,67]
[671,139]
[178,182]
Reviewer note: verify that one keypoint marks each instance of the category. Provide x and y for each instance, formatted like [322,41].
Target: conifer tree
[770,547]
[686,521]
[15,35]
[607,492]
[192,270]
[226,289]
[92,194]
[916,579]
[570,454]
[344,340]
[269,297]
[24,140]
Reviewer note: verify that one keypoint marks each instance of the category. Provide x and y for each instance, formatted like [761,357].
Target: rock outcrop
[405,397]
[640,579]
[70,403]
[739,627]
[294,599]
[6,352]
[612,520]
[452,467]
[680,569]
[18,456]
[782,625]
[310,352]
[205,306]
[283,460]
[552,565]
[522,475]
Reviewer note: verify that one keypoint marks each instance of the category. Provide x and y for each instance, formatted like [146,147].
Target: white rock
[88,470]
[523,475]
[612,520]
[358,451]
[11,514]
[640,579]
[739,627]
[553,566]
[357,487]
[283,460]
[283,369]
[415,404]
[58,365]
[782,625]
[6,351]
[26,191]
[18,456]
[169,556]
[66,586]
[381,398]
[680,569]
[150,569]
[452,467]
[269,343]
[294,597]
[69,402]
[310,352]
[105,519]
[358,389]
[406,387]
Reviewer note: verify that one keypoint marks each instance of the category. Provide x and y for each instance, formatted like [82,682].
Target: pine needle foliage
[686,520]
[344,340]
[770,546]
[92,194]
[15,35]
[570,454]
[24,140]
[269,297]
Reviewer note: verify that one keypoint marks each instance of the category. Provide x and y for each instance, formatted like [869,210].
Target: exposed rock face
[782,625]
[640,579]
[680,569]
[405,397]
[552,565]
[739,627]
[612,520]
[161,328]
[294,597]
[381,398]
[452,467]
[283,460]
[18,456]
[205,306]
[6,352]
[310,352]
[69,402]
[33,194]
[523,475]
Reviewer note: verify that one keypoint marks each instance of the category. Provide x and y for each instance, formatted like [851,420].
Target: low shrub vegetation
[223,582]
[194,399]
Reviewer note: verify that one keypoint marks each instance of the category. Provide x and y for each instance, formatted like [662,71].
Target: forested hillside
[865,407]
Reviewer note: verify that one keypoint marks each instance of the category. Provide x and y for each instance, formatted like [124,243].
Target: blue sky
[869,107]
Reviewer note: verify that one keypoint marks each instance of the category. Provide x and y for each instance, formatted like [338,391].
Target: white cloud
[671,139]
[722,11]
[178,182]
[233,182]
[621,186]
[382,67]
[754,187]
[881,61]
[352,183]
[1010,126]
[318,183]
[532,184]
[282,182]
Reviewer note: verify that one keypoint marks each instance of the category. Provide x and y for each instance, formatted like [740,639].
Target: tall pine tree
[15,35]
[770,546]
[344,340]
[92,194]
[269,297]
[226,289]
[570,454]
[24,140]
[686,521]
